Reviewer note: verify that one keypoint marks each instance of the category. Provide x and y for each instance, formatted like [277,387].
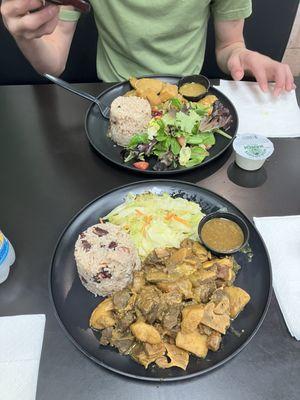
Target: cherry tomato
[141,165]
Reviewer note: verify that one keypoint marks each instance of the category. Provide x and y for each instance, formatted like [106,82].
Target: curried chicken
[154,90]
[179,304]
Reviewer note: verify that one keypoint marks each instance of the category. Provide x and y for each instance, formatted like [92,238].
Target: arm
[44,40]
[233,58]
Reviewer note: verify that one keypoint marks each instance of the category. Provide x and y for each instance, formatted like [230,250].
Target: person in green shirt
[138,37]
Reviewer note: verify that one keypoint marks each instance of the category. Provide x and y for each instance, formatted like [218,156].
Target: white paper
[262,113]
[21,340]
[282,238]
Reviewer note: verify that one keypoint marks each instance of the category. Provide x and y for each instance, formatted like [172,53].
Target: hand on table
[263,68]
[24,24]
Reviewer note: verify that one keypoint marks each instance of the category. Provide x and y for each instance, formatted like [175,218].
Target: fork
[104,110]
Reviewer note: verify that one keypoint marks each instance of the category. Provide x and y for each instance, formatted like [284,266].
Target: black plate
[74,304]
[96,129]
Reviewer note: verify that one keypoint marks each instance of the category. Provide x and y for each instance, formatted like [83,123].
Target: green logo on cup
[255,150]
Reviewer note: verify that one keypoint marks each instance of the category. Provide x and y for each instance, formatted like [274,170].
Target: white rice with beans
[106,258]
[128,116]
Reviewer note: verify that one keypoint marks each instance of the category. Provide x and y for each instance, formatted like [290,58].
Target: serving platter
[73,304]
[96,127]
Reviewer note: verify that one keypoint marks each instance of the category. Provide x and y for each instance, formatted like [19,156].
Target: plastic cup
[251,151]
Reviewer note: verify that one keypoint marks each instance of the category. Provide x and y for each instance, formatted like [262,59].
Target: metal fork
[104,110]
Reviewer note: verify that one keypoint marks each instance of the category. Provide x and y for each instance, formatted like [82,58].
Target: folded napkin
[262,113]
[282,238]
[21,339]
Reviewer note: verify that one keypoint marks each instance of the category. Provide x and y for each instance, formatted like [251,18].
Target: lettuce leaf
[157,220]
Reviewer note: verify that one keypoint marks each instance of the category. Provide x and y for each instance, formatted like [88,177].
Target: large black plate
[96,128]
[74,304]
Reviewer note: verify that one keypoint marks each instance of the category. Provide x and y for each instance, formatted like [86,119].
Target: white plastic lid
[253,147]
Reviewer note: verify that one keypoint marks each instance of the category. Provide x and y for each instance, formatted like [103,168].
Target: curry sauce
[222,234]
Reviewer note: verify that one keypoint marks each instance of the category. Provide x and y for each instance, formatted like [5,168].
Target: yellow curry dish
[179,304]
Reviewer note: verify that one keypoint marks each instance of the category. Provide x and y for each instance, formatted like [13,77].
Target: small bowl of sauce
[193,87]
[223,233]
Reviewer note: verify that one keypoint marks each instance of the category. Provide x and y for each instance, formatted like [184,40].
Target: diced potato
[179,358]
[191,317]
[238,298]
[145,332]
[219,323]
[102,316]
[193,342]
[155,350]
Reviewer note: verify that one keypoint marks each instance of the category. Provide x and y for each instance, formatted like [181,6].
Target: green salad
[180,134]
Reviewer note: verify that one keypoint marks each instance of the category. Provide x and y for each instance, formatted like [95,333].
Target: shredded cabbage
[157,220]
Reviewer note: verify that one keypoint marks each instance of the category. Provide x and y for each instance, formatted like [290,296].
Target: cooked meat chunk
[138,281]
[178,256]
[203,292]
[179,303]
[221,302]
[183,286]
[106,336]
[171,317]
[154,275]
[148,302]
[200,251]
[161,253]
[121,299]
[125,322]
[202,276]
[123,341]
[238,298]
[214,341]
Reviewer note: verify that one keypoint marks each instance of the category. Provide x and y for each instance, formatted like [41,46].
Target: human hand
[263,68]
[23,23]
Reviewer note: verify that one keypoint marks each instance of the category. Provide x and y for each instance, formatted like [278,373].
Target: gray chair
[267,31]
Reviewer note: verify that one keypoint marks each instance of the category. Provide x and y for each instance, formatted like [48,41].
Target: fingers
[261,77]
[47,28]
[235,67]
[289,79]
[280,77]
[14,9]
[29,26]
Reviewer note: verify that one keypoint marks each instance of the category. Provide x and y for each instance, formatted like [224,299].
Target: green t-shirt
[140,37]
